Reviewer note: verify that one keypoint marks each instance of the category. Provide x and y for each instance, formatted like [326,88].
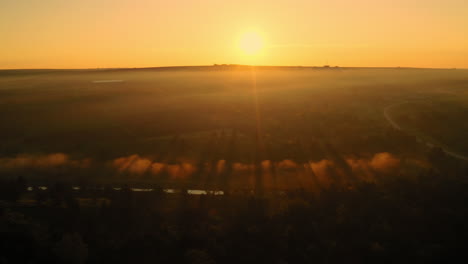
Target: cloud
[287,164]
[266,165]
[46,161]
[174,170]
[139,166]
[361,168]
[188,168]
[136,165]
[220,165]
[133,164]
[242,167]
[123,163]
[321,170]
[180,171]
[157,167]
[384,162]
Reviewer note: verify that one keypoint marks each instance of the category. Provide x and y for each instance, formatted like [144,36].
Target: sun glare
[251,43]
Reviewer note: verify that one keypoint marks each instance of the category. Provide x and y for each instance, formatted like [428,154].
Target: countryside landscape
[282,138]
[219,132]
[232,127]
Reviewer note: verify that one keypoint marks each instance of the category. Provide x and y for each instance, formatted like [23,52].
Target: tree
[71,249]
[194,256]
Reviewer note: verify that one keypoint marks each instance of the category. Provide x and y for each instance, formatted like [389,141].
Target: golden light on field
[251,43]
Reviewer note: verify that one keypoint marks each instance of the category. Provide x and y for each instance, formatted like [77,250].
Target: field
[438,120]
[233,164]
[229,127]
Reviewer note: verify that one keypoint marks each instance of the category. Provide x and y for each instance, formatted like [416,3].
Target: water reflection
[170,191]
[141,190]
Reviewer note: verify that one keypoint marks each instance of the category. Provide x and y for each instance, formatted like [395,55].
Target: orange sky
[143,33]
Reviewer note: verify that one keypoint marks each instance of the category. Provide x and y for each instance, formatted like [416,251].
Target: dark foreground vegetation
[399,220]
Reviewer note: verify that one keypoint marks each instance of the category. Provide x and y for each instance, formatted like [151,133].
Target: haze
[124,33]
[247,131]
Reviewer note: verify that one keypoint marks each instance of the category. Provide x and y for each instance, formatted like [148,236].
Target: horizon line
[236,65]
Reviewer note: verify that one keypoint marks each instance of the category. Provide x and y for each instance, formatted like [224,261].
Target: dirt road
[424,141]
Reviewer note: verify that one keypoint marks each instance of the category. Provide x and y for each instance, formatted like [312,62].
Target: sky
[149,33]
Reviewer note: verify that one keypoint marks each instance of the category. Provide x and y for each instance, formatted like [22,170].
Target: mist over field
[233,164]
[199,132]
[225,127]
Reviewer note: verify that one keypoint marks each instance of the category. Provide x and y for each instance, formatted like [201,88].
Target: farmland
[227,127]
[231,164]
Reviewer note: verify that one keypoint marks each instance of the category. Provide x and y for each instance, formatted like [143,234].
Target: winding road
[429,144]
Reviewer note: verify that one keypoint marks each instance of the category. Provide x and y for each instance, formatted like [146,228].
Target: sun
[251,43]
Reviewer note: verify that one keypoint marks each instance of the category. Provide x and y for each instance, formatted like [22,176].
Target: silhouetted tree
[71,249]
